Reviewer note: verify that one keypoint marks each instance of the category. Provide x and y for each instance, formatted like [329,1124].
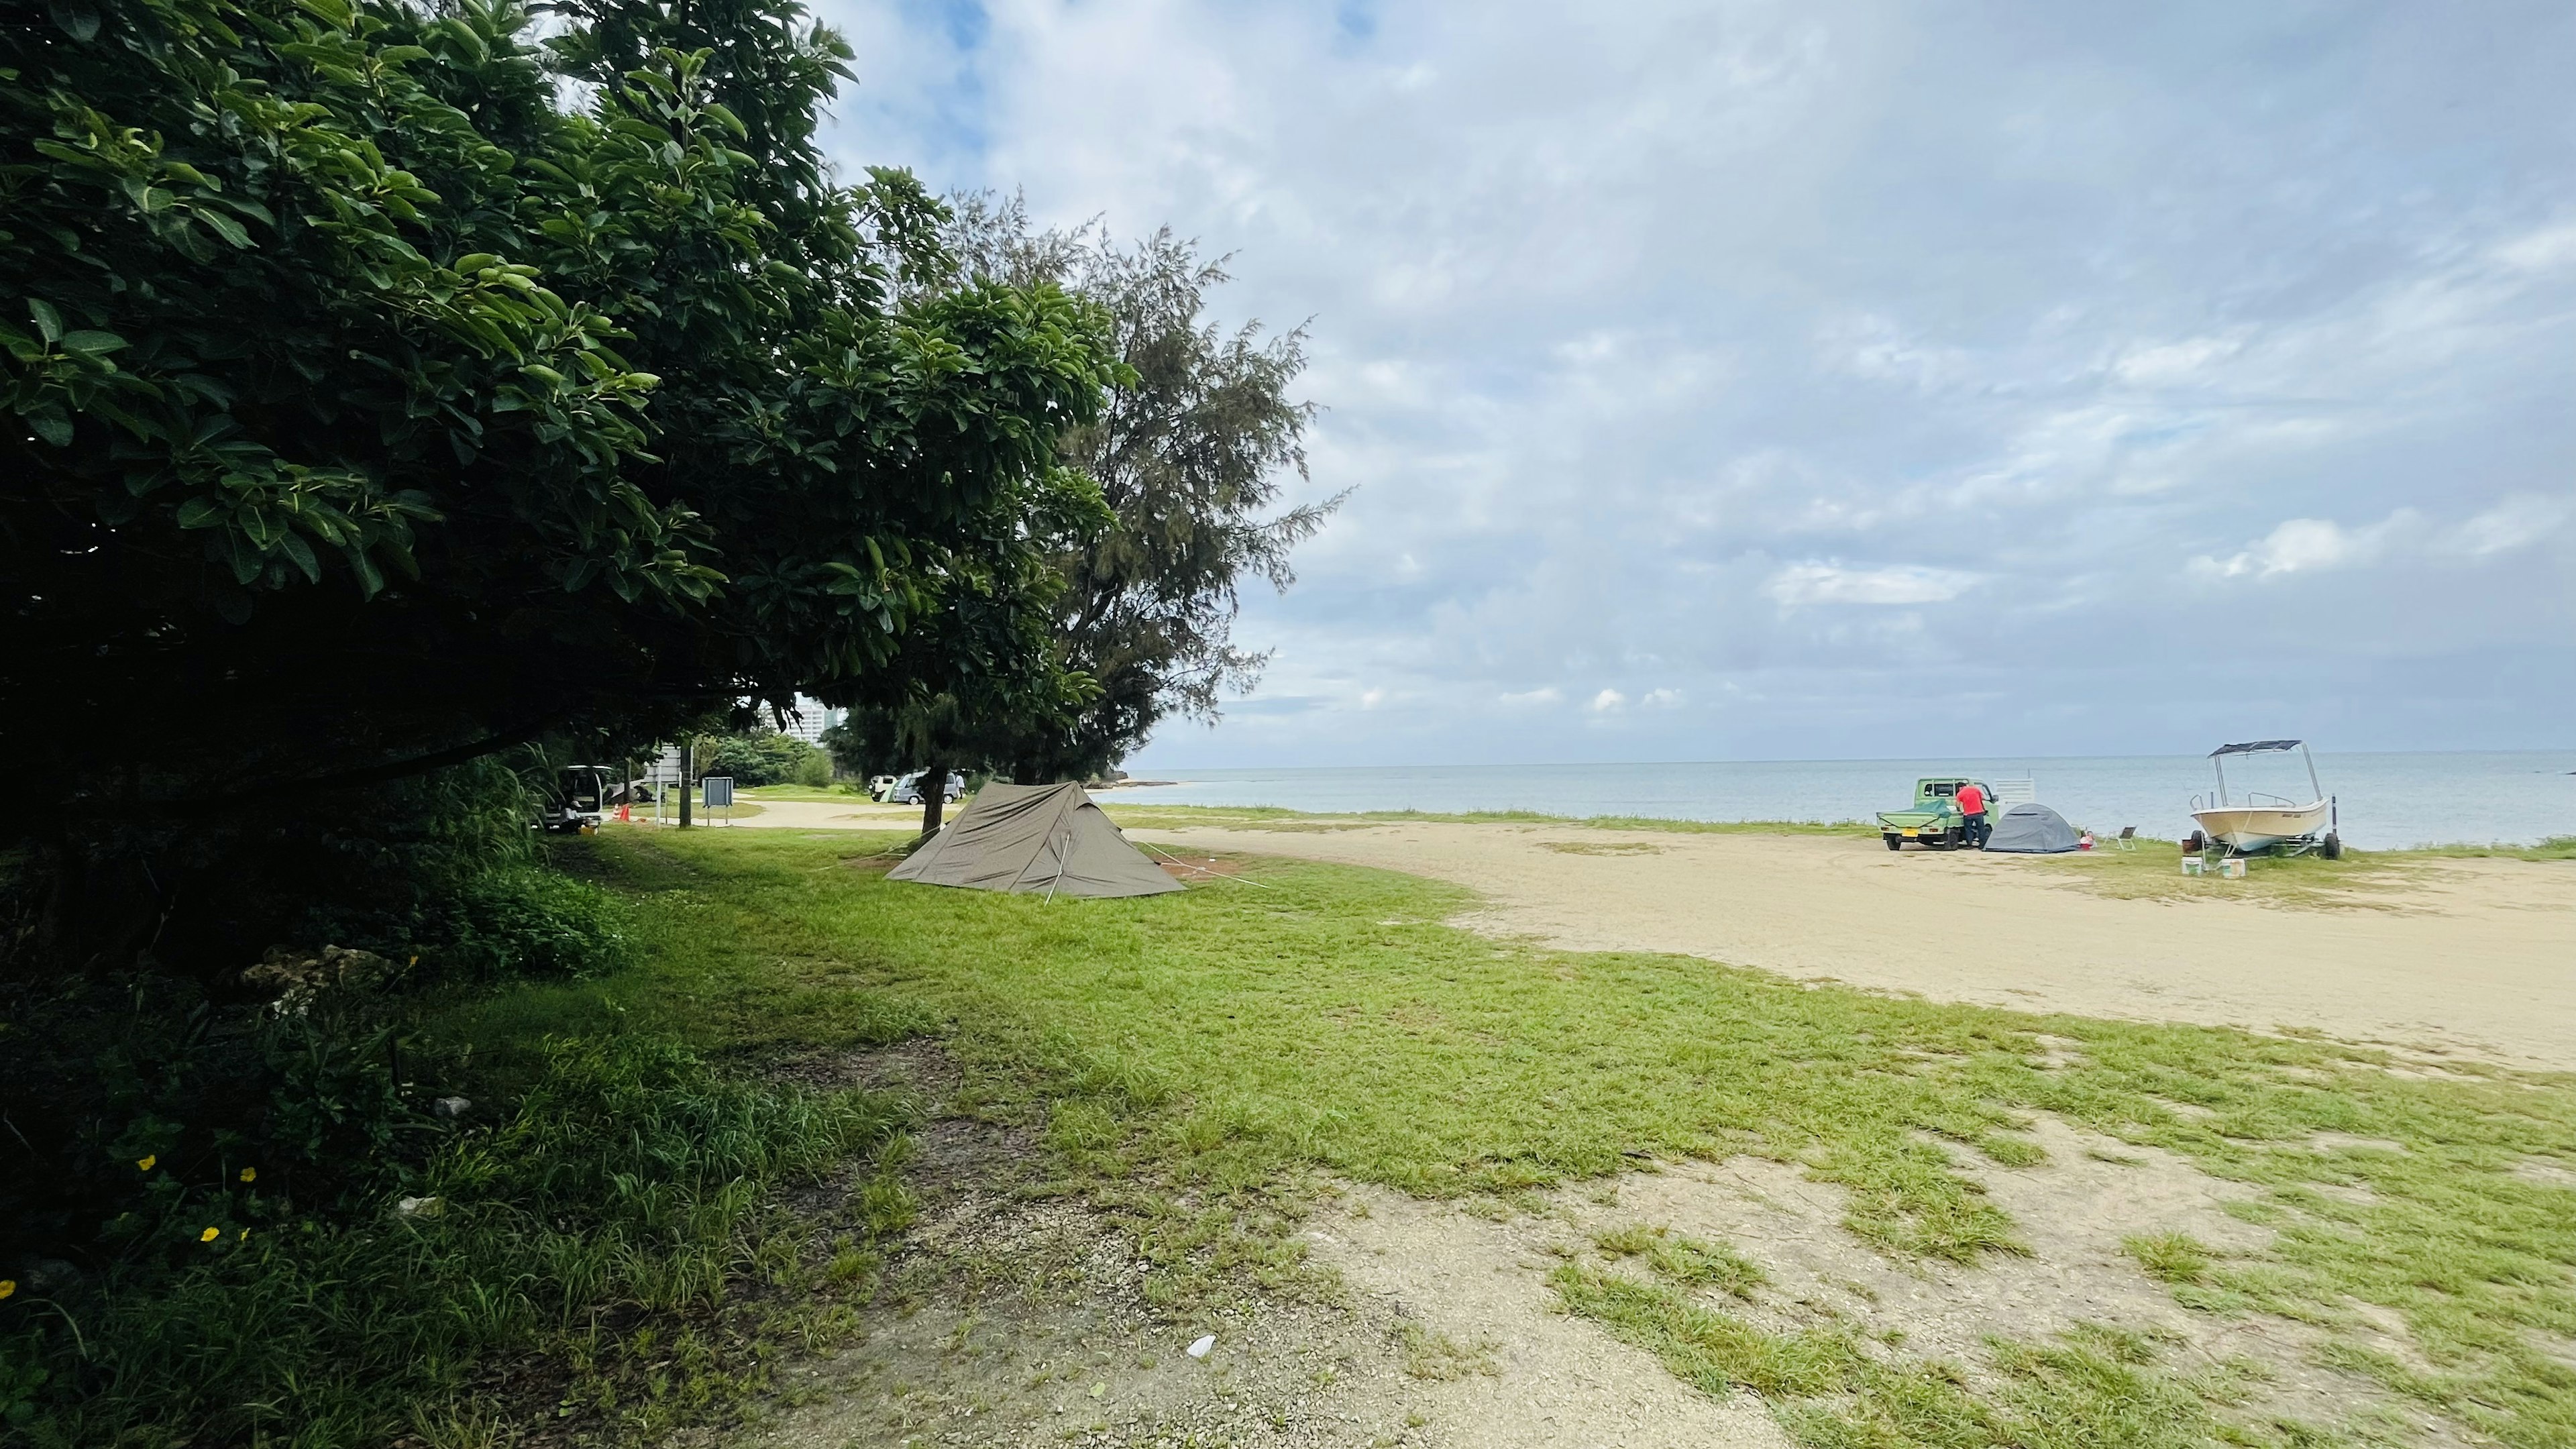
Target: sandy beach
[2460,957]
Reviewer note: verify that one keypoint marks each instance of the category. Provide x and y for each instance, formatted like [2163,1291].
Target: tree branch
[369,775]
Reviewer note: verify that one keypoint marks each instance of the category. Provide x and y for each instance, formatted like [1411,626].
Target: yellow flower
[8,1286]
[250,1174]
[145,1161]
[209,1235]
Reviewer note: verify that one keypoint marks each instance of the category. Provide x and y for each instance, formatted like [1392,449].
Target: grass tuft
[1715,1352]
[2170,1257]
[1684,1260]
[1437,1356]
[2095,1388]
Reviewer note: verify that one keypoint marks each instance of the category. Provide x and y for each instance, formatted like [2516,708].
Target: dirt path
[2467,957]
[1012,1320]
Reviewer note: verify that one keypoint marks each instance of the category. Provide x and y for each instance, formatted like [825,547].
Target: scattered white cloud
[2316,545]
[1826,583]
[2306,545]
[2171,363]
[1608,701]
[2541,249]
[2517,522]
[1661,699]
[1719,345]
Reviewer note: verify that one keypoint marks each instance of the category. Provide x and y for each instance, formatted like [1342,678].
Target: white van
[907,791]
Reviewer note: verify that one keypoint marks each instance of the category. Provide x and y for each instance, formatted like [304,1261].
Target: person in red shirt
[1972,804]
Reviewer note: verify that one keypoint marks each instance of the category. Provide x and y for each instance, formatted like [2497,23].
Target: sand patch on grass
[1467,1264]
[2468,962]
[1013,1318]
[2553,1174]
[1554,1380]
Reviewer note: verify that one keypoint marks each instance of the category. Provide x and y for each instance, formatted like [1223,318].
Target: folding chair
[2128,837]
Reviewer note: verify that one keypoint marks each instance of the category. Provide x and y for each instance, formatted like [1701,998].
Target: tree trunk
[934,796]
[688,758]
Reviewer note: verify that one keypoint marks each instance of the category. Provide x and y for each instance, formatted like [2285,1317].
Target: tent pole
[1024,871]
[1059,841]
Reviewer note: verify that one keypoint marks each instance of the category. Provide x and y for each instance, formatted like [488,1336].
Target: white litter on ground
[1200,1348]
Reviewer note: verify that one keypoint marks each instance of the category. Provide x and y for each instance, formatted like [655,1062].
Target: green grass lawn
[824,794]
[2556,847]
[1201,1061]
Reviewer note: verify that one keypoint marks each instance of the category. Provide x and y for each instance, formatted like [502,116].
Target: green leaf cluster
[386,383]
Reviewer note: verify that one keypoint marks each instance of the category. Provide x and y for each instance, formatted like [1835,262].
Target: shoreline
[2386,801]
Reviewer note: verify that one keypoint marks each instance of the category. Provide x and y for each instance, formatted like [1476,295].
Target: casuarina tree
[1190,453]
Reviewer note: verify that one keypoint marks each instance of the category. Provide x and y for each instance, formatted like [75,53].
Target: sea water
[2384,801]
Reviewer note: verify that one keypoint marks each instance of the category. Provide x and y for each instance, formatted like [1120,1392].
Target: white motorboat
[2261,821]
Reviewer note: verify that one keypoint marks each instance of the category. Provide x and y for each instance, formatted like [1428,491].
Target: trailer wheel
[2194,843]
[2333,849]
[1894,842]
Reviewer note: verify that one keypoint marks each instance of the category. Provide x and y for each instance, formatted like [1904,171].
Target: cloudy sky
[1823,379]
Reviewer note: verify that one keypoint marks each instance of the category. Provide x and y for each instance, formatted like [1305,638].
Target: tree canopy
[353,370]
[1190,455]
[375,405]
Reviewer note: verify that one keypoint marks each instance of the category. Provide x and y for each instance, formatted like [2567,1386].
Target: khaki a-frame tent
[1048,839]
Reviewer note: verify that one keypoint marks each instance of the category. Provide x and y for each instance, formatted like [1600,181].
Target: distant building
[810,718]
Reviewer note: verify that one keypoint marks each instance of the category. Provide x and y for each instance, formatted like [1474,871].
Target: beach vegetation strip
[2151,870]
[1201,1064]
[2382,880]
[1267,817]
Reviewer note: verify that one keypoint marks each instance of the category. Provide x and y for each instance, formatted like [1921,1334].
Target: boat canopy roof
[2254,747]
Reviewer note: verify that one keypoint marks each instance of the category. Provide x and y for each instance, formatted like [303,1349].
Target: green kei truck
[1934,820]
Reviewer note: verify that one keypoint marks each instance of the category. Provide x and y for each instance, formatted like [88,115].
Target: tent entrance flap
[1035,839]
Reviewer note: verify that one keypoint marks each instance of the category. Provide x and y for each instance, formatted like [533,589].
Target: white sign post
[664,774]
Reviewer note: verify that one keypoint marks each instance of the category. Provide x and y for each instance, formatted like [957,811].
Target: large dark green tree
[1190,455]
[365,406]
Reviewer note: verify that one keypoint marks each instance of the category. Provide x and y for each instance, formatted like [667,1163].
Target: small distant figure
[2084,841]
[1972,804]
